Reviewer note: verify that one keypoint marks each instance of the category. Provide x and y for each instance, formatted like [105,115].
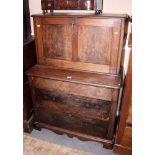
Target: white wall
[35,8]
[109,6]
[117,6]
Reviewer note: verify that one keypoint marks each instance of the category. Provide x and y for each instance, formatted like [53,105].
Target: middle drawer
[82,106]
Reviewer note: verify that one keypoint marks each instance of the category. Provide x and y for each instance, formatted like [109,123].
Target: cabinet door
[54,39]
[99,42]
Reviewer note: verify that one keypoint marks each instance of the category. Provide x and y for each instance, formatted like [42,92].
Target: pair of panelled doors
[81,43]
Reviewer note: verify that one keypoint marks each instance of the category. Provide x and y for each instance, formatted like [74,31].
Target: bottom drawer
[96,128]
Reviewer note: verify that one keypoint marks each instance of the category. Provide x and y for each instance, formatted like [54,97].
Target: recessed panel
[94,44]
[57,41]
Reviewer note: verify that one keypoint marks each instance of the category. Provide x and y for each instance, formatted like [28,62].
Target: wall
[117,6]
[109,6]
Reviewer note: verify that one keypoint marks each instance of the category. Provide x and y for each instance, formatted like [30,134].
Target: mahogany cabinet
[75,84]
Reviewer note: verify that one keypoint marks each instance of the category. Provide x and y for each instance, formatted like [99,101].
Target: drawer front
[75,88]
[68,121]
[66,4]
[75,104]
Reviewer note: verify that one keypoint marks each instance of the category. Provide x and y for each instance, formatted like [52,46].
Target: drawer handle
[69,77]
[38,25]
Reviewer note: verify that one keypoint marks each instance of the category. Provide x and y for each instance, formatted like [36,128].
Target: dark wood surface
[29,59]
[106,143]
[86,78]
[76,102]
[75,84]
[75,88]
[70,5]
[88,15]
[123,142]
[91,44]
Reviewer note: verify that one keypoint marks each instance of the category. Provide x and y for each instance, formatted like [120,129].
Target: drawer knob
[38,25]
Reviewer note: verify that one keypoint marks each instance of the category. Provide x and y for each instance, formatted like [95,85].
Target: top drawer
[82,43]
[85,78]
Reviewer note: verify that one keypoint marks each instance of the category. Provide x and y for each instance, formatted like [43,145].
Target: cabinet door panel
[57,41]
[99,41]
[94,44]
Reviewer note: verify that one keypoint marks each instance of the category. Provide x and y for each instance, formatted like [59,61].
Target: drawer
[68,121]
[66,4]
[66,102]
[74,88]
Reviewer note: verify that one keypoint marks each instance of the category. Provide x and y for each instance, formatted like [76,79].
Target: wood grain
[94,44]
[66,4]
[74,88]
[70,122]
[38,39]
[129,119]
[99,80]
[75,85]
[77,65]
[106,143]
[57,47]
[115,56]
[123,142]
[74,104]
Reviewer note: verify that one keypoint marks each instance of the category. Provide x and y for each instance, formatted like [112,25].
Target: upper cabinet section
[80,43]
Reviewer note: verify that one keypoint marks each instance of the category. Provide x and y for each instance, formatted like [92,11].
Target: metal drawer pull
[69,77]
